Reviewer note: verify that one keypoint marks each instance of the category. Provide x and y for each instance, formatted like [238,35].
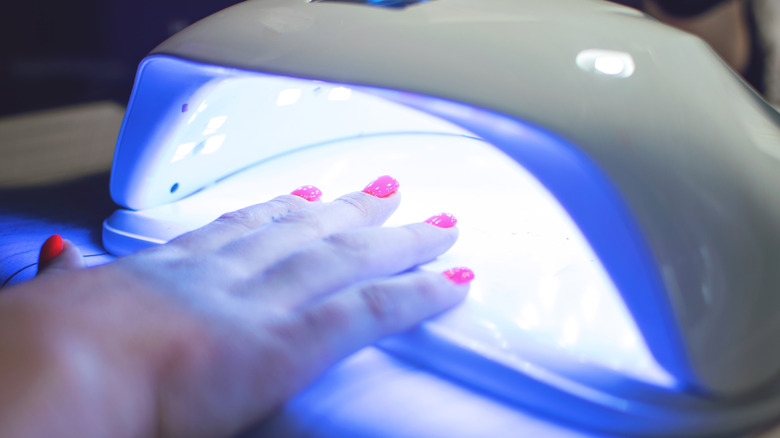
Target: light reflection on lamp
[628,341]
[529,317]
[214,124]
[548,291]
[610,65]
[213,144]
[571,332]
[182,151]
[288,96]
[589,304]
[606,62]
[340,94]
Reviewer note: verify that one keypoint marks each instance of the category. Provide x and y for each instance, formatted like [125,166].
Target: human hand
[211,332]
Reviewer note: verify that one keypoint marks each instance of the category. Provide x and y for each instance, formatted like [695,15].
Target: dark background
[55,52]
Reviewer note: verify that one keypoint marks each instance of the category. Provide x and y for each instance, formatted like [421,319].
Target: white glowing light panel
[537,280]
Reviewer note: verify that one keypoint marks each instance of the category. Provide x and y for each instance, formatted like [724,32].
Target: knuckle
[326,316]
[305,221]
[428,242]
[244,218]
[418,234]
[224,269]
[257,215]
[379,302]
[285,204]
[311,333]
[305,339]
[428,287]
[361,204]
[348,244]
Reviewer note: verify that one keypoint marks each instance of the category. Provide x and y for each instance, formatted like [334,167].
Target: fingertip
[50,250]
[59,254]
[382,187]
[373,210]
[456,291]
[309,193]
[442,220]
[459,275]
[71,255]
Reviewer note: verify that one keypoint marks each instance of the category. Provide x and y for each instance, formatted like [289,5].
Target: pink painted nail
[50,250]
[459,275]
[443,220]
[382,187]
[309,193]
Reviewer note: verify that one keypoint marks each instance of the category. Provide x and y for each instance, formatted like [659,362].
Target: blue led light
[397,4]
[394,3]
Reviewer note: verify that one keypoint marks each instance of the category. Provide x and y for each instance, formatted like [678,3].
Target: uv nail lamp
[617,187]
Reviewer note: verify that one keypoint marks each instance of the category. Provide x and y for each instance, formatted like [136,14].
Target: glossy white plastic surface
[691,149]
[539,281]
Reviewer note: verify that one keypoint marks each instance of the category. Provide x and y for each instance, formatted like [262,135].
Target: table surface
[54,176]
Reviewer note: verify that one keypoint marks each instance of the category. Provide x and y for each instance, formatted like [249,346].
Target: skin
[212,332]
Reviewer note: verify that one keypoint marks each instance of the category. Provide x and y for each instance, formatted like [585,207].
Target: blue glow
[568,305]
[379,3]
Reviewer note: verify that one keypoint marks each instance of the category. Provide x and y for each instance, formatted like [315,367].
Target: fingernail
[443,220]
[309,193]
[382,187]
[459,275]
[50,250]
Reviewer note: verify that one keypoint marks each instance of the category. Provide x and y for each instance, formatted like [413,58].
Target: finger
[58,254]
[350,320]
[233,225]
[288,233]
[346,258]
[372,206]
